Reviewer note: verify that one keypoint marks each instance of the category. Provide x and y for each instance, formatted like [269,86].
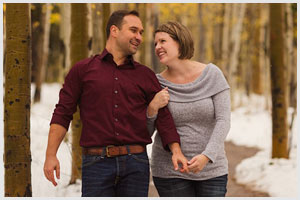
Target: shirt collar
[129,62]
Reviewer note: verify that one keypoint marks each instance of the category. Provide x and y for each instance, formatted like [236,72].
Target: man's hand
[178,158]
[56,135]
[197,163]
[51,164]
[160,100]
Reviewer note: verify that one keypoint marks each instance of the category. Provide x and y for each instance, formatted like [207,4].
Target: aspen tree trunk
[246,54]
[257,68]
[265,53]
[226,39]
[199,36]
[278,84]
[217,33]
[155,22]
[293,87]
[148,35]
[65,35]
[17,155]
[97,44]
[289,50]
[209,33]
[42,50]
[141,8]
[288,60]
[238,16]
[79,51]
[106,13]
[4,33]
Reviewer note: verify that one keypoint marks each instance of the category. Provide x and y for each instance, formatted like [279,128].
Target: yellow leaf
[35,24]
[55,18]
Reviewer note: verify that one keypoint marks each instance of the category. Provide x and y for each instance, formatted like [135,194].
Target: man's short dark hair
[116,19]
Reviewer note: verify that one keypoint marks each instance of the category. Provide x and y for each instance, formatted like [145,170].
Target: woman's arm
[222,108]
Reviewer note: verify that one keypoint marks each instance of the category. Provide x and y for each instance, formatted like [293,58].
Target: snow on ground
[41,114]
[250,126]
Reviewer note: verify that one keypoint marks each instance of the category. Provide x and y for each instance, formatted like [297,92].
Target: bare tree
[17,156]
[79,51]
[40,53]
[278,84]
[235,41]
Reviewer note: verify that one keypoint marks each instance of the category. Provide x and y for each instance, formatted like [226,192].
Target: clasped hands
[195,165]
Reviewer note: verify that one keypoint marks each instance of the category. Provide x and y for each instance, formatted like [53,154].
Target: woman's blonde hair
[181,35]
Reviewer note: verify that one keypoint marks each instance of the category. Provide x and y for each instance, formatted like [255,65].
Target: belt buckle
[107,150]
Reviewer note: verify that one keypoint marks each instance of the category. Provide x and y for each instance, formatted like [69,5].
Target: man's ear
[114,31]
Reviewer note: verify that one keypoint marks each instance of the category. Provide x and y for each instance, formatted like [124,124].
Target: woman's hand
[197,163]
[160,100]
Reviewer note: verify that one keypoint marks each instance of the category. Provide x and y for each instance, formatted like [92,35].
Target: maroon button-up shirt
[113,101]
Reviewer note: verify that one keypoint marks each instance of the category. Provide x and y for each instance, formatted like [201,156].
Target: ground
[235,155]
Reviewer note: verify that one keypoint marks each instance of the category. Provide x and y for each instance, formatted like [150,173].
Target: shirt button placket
[116,96]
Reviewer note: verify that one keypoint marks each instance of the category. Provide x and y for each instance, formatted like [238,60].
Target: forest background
[254,44]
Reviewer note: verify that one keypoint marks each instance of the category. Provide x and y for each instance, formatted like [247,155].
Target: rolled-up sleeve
[68,98]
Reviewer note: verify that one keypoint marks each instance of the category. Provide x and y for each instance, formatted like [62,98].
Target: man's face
[129,37]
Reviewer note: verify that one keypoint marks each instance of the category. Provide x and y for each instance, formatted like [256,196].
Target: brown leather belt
[111,151]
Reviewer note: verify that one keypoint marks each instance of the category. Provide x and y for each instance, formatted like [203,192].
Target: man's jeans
[121,176]
[176,187]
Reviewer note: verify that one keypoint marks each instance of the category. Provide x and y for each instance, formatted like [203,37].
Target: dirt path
[235,155]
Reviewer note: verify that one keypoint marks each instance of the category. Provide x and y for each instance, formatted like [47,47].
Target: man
[113,92]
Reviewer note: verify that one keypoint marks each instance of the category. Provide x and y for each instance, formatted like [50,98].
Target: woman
[198,98]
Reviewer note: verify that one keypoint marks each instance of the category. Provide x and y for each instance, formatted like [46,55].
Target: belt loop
[128,150]
[103,152]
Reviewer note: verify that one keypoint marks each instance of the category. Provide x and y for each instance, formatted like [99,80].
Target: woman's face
[166,49]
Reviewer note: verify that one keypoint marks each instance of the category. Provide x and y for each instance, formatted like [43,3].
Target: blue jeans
[176,187]
[121,176]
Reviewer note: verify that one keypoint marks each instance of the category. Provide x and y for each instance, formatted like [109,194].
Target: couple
[121,101]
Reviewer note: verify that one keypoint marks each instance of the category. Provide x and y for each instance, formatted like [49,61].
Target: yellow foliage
[55,18]
[44,8]
[51,7]
[131,6]
[218,19]
[4,7]
[173,11]
[35,24]
[98,13]
[93,6]
[244,35]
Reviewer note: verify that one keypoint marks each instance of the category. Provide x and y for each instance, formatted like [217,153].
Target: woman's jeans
[176,187]
[121,176]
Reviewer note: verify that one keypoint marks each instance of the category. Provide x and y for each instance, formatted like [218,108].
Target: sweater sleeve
[151,124]
[222,108]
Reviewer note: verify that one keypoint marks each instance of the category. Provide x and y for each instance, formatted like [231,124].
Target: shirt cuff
[57,119]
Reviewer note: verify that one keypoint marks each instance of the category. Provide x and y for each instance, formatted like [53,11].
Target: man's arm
[55,137]
[178,157]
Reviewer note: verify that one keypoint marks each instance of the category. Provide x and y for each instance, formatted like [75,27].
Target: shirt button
[116,78]
[116,92]
[117,133]
[116,119]
[116,106]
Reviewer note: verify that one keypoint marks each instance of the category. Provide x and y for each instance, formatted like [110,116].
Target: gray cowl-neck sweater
[201,112]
